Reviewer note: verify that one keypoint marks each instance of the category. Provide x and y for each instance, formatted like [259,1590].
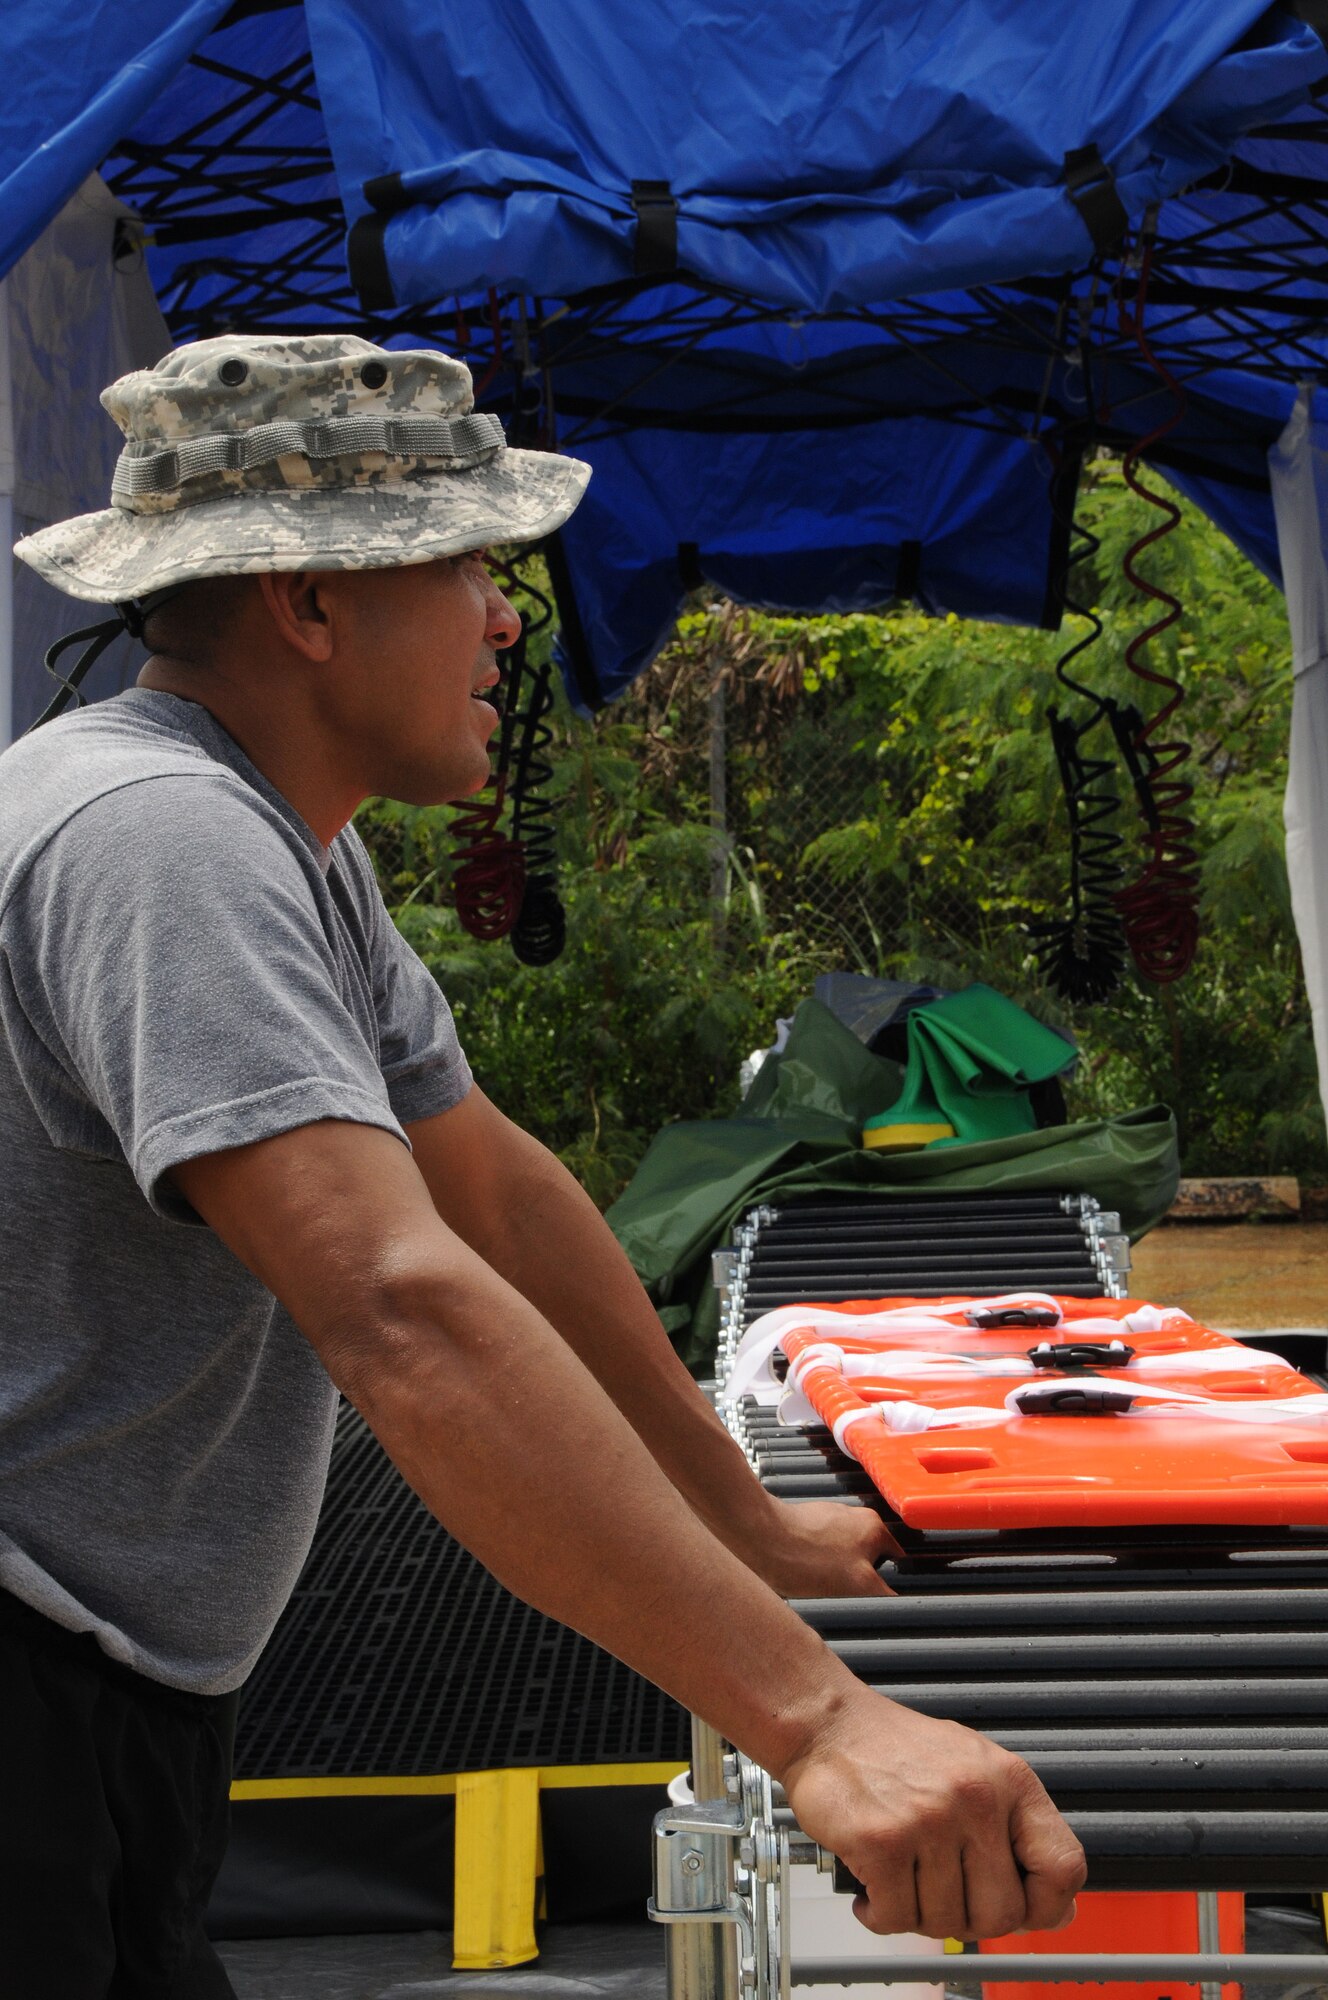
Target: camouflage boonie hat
[257,452]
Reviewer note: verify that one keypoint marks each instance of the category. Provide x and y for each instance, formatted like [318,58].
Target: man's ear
[302,609]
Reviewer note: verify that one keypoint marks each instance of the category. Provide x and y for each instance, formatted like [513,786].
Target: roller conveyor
[1169,1684]
[915,1246]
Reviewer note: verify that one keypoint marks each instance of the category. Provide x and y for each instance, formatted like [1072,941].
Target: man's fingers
[939,1874]
[994,1890]
[1052,1860]
[891,1904]
[993,1886]
[882,1541]
[877,1543]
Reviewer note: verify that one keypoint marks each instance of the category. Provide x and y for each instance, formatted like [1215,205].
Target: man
[245,1167]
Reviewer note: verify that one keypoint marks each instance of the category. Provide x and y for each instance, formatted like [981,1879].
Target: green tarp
[800,1133]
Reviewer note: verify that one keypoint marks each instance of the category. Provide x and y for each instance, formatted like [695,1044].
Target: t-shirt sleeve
[422,1061]
[170,955]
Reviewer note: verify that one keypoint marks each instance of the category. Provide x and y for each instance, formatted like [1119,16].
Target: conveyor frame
[1200,1767]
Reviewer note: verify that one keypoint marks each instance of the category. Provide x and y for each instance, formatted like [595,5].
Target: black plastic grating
[399,1655]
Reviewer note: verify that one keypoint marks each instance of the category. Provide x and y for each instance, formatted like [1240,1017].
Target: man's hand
[822,1548]
[950,1835]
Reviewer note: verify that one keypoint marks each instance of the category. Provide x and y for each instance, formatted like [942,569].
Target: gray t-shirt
[183,968]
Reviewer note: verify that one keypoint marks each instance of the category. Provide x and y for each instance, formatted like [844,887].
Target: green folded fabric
[971,1060]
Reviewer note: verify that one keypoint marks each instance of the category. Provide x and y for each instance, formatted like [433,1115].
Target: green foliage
[942,836]
[644,1018]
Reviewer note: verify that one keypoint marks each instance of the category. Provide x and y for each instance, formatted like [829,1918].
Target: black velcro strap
[366,246]
[386,194]
[366,258]
[656,252]
[1314,13]
[1091,186]
[690,574]
[908,572]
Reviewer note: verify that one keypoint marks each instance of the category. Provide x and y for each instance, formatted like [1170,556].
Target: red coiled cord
[496,329]
[1159,911]
[489,877]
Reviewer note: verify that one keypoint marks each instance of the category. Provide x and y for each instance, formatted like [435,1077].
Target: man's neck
[279,740]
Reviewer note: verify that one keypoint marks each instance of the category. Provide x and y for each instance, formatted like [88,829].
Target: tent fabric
[928,434]
[907,150]
[74,318]
[954,519]
[799,1133]
[1299,469]
[926,504]
[77,78]
[898,150]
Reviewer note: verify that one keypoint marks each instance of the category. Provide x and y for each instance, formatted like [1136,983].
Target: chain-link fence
[804,798]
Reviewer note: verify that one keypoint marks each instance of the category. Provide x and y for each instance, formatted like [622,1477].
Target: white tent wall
[72,318]
[6,527]
[1299,466]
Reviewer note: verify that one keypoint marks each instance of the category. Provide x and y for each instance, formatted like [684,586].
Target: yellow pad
[497,1866]
[895,1138]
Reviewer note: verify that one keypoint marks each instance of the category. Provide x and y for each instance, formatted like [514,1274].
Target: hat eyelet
[233,372]
[373,374]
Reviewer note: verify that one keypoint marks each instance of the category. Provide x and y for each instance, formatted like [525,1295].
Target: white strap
[751,1373]
[904,1419]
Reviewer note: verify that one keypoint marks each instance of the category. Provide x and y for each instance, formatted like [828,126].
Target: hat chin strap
[131,617]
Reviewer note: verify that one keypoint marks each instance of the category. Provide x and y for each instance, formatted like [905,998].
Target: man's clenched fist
[950,1835]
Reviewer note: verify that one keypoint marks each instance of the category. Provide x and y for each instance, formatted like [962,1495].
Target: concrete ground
[1237,1274]
[591,1961]
[576,1962]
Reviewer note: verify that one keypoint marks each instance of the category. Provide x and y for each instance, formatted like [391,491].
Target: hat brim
[111,556]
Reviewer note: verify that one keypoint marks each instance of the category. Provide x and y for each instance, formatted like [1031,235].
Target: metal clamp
[1113,1252]
[696,1874]
[723,1270]
[695,1851]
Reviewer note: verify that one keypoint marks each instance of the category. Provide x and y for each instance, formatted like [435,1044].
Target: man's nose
[503,627]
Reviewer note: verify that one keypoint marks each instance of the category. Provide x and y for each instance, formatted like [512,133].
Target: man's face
[417,675]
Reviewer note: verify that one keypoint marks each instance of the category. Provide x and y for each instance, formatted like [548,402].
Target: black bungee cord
[1083,953]
[505,882]
[540,931]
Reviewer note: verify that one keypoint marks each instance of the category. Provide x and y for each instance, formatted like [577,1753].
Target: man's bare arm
[512,1443]
[514,1203]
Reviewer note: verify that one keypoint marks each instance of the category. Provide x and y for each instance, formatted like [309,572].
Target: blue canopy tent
[833,323]
[835,317]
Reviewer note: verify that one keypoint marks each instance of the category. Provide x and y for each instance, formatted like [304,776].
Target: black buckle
[991,1319]
[1071,1355]
[1072,1399]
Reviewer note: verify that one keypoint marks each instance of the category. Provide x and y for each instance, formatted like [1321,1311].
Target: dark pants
[113,1821]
